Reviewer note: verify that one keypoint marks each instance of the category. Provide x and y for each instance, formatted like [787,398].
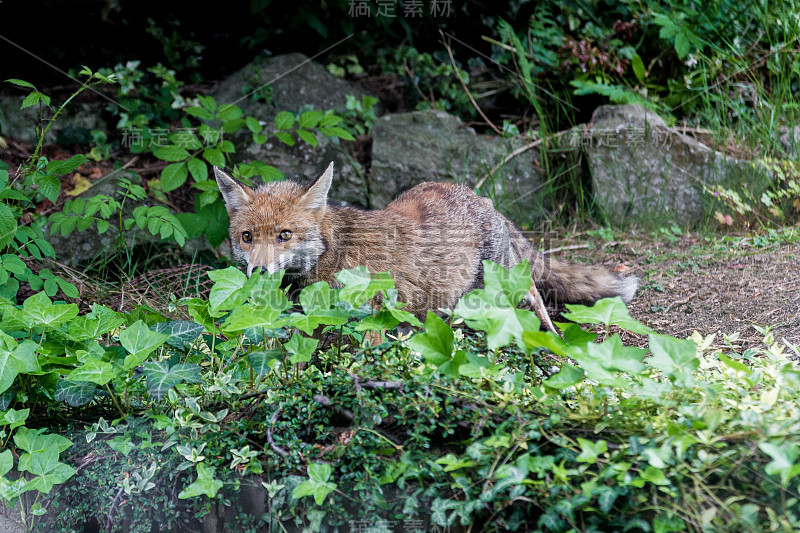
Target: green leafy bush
[479,420]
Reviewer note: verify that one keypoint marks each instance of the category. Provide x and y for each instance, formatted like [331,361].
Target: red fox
[432,239]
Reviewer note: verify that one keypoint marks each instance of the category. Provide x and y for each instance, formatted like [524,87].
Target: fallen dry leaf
[80,184]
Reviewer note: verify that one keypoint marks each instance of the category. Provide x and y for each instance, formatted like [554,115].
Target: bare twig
[324,400]
[109,521]
[393,385]
[535,299]
[464,86]
[564,248]
[679,302]
[515,153]
[273,420]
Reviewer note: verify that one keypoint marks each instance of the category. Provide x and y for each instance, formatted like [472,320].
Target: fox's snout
[270,268]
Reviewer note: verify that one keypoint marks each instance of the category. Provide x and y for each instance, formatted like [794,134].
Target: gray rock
[410,148]
[79,117]
[643,170]
[295,81]
[303,162]
[789,137]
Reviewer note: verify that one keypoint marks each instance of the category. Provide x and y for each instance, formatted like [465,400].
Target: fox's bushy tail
[560,282]
[563,282]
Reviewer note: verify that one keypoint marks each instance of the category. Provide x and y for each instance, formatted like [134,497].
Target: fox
[433,239]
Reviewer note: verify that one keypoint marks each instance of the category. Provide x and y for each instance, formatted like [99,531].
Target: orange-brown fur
[432,239]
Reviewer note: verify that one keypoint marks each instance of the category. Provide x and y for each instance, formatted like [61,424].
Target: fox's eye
[247,236]
[285,235]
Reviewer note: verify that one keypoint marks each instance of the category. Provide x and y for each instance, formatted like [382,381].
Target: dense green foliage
[453,425]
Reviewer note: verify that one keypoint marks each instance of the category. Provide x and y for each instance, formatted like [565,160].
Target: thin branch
[464,86]
[515,153]
[565,248]
[273,420]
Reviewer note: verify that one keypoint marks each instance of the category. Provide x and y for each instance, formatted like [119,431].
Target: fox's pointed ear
[316,195]
[236,194]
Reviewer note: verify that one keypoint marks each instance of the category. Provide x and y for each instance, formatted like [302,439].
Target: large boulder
[411,148]
[643,170]
[294,80]
[76,121]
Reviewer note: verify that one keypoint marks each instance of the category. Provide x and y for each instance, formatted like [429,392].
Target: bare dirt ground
[716,284]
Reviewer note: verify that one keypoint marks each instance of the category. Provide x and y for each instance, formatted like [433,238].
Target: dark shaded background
[70,33]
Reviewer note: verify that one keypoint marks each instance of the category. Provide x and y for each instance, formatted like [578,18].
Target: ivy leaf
[591,450]
[436,344]
[227,293]
[14,418]
[262,361]
[360,285]
[181,332]
[139,341]
[318,296]
[603,361]
[39,310]
[205,484]
[46,469]
[568,376]
[383,320]
[308,323]
[15,359]
[32,440]
[121,444]
[508,286]
[94,371]
[75,393]
[252,316]
[606,311]
[606,497]
[317,485]
[91,326]
[161,377]
[301,348]
[677,358]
